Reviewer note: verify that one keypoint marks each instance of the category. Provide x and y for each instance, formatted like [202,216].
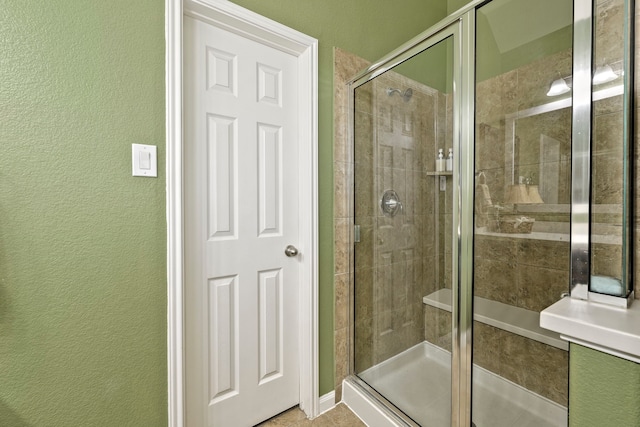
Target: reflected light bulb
[604,74]
[558,87]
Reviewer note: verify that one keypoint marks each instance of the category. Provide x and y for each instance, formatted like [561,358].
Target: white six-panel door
[241,212]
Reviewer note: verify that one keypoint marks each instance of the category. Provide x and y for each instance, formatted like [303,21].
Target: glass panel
[403,209]
[522,210]
[609,151]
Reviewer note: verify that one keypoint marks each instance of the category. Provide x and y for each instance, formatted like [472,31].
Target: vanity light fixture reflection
[604,74]
[558,87]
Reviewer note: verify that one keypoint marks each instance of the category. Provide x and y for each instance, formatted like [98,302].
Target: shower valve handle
[390,203]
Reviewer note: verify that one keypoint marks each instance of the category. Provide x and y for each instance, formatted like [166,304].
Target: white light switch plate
[144,160]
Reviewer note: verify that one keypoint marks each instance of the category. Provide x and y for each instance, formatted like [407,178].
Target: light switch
[144,159]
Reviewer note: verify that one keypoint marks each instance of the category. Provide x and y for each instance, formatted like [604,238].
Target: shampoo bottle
[450,160]
[441,163]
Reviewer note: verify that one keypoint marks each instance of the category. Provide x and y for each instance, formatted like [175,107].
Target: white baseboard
[327,402]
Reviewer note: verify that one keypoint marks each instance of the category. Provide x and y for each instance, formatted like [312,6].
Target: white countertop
[605,328]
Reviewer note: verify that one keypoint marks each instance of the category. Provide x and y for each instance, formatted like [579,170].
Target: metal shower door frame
[461,27]
[581,152]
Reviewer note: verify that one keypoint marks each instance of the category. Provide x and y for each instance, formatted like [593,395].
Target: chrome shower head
[406,95]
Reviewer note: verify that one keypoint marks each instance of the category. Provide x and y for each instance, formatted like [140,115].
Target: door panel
[241,290]
[404,282]
[522,211]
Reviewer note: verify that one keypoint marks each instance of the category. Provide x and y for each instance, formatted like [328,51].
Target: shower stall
[491,170]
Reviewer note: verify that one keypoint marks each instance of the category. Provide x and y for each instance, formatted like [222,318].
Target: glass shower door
[403,205]
[522,210]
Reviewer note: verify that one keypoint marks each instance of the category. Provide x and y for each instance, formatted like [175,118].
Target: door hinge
[356,234]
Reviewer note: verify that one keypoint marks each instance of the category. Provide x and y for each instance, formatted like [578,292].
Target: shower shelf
[517,320]
[443,173]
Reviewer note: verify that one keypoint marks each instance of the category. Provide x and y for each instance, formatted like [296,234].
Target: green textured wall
[82,242]
[369,30]
[432,68]
[454,5]
[603,390]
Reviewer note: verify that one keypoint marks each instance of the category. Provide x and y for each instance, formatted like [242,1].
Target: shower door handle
[291,251]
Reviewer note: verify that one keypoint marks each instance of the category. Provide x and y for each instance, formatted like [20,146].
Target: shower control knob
[390,203]
[291,251]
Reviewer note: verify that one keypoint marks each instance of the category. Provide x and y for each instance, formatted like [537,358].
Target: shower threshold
[418,382]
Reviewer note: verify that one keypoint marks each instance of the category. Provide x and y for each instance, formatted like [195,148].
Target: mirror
[538,151]
[538,144]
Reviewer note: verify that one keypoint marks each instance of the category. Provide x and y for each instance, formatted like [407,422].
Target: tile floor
[340,416]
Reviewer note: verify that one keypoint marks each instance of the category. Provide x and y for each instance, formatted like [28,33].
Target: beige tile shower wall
[444,223]
[536,366]
[404,244]
[437,327]
[394,262]
[526,273]
[437,323]
[364,215]
[346,66]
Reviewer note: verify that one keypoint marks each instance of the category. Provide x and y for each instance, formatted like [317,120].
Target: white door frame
[238,20]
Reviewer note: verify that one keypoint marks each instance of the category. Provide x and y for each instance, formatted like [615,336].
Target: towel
[482,204]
